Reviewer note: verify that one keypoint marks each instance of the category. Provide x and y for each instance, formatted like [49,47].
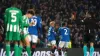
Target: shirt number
[13,15]
[35,22]
[66,32]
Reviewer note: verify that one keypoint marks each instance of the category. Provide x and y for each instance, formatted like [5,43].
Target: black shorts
[89,38]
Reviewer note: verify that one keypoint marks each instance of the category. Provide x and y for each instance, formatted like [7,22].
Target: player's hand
[41,36]
[21,32]
[31,24]
[38,40]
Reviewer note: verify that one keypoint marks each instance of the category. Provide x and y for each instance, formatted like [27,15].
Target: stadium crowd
[77,13]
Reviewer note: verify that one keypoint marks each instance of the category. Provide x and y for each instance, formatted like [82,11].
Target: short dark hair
[14,2]
[63,24]
[31,11]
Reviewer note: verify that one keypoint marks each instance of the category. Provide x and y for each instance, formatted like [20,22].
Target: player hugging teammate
[29,34]
[34,30]
[24,33]
[64,34]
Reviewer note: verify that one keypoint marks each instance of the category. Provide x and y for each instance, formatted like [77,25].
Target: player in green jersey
[13,23]
[24,35]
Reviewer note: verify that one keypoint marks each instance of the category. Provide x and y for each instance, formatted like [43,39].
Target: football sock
[91,50]
[16,52]
[33,48]
[59,51]
[28,49]
[53,49]
[7,50]
[85,50]
[20,50]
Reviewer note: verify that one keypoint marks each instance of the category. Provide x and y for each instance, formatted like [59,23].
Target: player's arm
[27,25]
[5,16]
[21,21]
[49,31]
[69,33]
[53,31]
[59,30]
[70,43]
[5,19]
[24,21]
[39,21]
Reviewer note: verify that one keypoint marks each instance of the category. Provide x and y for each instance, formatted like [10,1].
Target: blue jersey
[64,33]
[51,34]
[33,30]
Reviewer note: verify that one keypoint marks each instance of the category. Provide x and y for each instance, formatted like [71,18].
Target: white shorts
[53,42]
[63,44]
[33,38]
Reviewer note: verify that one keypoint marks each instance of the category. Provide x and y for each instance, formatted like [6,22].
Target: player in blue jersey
[64,33]
[34,29]
[51,37]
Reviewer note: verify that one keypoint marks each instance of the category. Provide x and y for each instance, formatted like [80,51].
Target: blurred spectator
[1,33]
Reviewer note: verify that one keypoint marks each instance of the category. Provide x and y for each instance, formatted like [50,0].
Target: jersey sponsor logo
[14,11]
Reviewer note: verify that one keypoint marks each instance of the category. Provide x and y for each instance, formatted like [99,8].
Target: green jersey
[25,24]
[25,27]
[25,21]
[13,19]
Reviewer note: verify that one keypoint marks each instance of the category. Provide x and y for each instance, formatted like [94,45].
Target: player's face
[29,15]
[53,24]
[66,24]
[57,26]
